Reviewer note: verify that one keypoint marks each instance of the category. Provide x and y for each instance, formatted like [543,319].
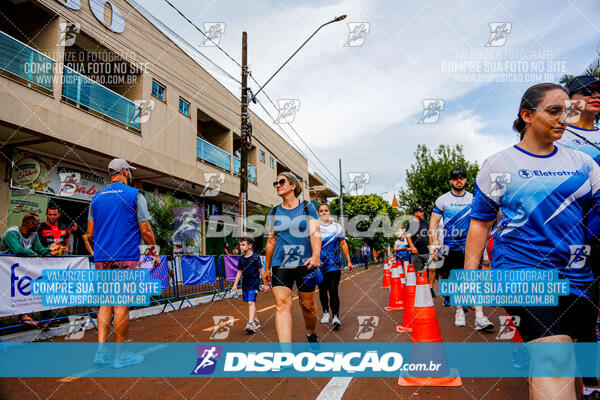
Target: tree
[428,177]
[162,219]
[371,206]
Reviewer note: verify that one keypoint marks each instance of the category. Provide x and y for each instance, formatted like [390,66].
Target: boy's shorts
[249,296]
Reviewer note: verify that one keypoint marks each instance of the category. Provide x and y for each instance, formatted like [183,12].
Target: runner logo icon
[579,253]
[366,326]
[498,34]
[207,359]
[508,326]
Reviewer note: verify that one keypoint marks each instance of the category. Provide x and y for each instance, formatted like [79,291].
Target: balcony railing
[237,164]
[212,154]
[26,63]
[89,94]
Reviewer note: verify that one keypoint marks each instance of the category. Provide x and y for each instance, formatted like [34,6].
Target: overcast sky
[361,97]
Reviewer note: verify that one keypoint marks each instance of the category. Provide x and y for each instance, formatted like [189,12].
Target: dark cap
[580,82]
[456,172]
[418,208]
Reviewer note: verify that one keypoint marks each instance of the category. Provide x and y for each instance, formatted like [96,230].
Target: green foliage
[428,178]
[162,219]
[371,206]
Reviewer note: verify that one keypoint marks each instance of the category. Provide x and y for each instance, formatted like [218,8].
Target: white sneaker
[335,323]
[257,323]
[325,318]
[459,319]
[250,327]
[483,324]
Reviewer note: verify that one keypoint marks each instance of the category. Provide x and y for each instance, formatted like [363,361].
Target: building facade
[82,82]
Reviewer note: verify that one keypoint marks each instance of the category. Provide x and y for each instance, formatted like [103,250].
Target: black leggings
[331,281]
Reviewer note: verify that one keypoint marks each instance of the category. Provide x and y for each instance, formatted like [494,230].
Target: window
[184,107]
[271,162]
[262,156]
[158,90]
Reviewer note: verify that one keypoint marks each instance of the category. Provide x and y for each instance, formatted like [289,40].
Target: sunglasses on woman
[588,91]
[280,182]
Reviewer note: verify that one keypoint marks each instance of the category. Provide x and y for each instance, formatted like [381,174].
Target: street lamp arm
[341,17]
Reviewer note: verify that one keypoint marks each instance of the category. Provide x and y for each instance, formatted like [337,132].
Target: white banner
[16,274]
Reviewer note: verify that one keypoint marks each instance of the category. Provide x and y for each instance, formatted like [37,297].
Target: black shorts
[287,276]
[573,316]
[454,260]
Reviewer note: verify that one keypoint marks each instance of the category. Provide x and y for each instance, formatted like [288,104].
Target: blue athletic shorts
[249,295]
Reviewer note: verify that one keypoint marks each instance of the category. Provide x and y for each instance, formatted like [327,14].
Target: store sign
[56,177]
[19,206]
[25,172]
[97,7]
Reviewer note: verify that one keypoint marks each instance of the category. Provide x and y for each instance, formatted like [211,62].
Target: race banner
[16,274]
[197,270]
[160,272]
[231,267]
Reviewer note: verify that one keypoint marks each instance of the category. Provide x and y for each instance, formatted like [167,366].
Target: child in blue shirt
[250,269]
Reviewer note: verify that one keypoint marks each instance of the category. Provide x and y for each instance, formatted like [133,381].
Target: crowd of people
[538,199]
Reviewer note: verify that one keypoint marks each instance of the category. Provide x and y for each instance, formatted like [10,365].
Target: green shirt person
[24,241]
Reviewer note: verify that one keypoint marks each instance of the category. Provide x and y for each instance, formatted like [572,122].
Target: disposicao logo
[207,359]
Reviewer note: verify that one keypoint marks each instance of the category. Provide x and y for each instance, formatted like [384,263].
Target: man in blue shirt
[117,221]
[366,252]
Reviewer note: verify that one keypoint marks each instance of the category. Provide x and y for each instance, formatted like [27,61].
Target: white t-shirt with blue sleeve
[456,214]
[540,202]
[331,236]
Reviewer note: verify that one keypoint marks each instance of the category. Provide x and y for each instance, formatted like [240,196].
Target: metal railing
[237,165]
[23,61]
[85,92]
[212,154]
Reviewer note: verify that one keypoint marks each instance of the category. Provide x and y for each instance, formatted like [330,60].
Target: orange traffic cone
[387,276]
[427,330]
[409,300]
[396,293]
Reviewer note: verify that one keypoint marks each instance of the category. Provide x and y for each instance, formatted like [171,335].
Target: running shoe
[433,296]
[595,395]
[102,357]
[127,359]
[325,318]
[482,323]
[459,319]
[446,301]
[520,357]
[256,323]
[313,342]
[250,327]
[335,323]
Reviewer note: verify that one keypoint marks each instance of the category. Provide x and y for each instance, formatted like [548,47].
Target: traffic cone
[408,301]
[396,292]
[387,276]
[427,330]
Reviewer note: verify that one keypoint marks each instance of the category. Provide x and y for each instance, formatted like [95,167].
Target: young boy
[250,269]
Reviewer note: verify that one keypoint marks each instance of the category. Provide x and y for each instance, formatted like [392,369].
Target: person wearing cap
[117,222]
[582,134]
[454,208]
[418,239]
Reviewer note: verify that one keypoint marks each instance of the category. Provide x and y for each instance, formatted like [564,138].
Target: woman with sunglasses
[293,251]
[542,192]
[332,240]
[582,134]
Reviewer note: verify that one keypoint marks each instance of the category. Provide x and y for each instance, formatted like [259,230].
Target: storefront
[37,180]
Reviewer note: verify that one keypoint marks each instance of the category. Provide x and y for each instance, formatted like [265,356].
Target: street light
[246,128]
[340,18]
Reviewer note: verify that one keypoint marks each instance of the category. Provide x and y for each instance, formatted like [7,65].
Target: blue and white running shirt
[331,236]
[542,201]
[456,213]
[571,140]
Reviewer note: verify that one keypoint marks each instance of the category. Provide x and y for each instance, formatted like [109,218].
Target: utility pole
[341,198]
[246,139]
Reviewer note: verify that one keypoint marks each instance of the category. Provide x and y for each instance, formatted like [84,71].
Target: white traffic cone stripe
[403,280]
[423,296]
[411,279]
[396,272]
